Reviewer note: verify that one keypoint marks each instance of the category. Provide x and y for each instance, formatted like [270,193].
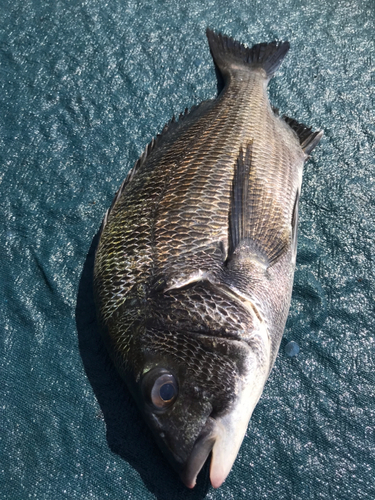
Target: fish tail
[227,53]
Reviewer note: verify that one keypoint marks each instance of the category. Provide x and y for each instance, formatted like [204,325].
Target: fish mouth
[200,452]
[222,441]
[222,436]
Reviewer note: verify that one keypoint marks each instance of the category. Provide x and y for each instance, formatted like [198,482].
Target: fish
[194,268]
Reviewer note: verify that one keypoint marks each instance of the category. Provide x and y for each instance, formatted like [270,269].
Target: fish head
[197,394]
[178,413]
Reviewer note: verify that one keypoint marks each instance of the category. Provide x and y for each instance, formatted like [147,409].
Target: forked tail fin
[228,53]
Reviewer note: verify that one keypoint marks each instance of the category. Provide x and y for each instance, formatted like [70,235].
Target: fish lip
[200,452]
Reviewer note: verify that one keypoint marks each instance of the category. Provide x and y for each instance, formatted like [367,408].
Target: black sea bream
[195,263]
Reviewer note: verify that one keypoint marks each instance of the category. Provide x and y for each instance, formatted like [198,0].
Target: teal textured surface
[84,86]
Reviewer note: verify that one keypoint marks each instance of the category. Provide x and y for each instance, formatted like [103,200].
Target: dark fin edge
[225,50]
[307,138]
[170,126]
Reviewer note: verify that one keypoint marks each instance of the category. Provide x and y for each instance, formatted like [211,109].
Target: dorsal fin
[307,138]
[163,137]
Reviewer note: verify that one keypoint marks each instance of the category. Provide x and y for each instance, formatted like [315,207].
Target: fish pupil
[167,392]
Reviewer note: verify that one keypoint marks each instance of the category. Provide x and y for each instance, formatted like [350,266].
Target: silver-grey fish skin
[194,268]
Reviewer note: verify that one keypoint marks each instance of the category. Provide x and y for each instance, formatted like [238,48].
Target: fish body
[194,268]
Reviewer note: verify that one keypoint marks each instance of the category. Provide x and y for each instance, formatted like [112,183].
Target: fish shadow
[127,434]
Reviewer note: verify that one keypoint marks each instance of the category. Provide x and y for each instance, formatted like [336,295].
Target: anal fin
[295,225]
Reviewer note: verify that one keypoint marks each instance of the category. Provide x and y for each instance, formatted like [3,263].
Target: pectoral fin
[256,226]
[238,230]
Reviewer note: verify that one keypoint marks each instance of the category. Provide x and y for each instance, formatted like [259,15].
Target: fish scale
[203,304]
[194,267]
[207,205]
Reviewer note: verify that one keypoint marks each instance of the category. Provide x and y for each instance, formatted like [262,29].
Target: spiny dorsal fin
[307,138]
[167,131]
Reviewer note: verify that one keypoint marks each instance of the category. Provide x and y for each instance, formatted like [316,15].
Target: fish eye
[160,388]
[164,391]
